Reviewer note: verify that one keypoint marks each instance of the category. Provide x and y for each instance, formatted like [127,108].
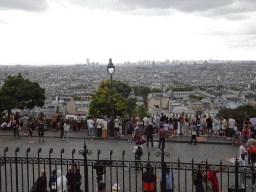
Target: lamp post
[111,71]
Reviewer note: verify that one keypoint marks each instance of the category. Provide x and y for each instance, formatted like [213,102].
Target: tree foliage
[77,98]
[236,89]
[166,90]
[101,99]
[196,97]
[220,87]
[240,114]
[182,89]
[202,88]
[18,92]
[156,90]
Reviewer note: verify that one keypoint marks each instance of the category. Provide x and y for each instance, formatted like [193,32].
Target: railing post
[192,167]
[16,168]
[123,169]
[110,161]
[28,150]
[85,152]
[5,169]
[236,174]
[50,165]
[73,153]
[61,152]
[163,171]
[38,156]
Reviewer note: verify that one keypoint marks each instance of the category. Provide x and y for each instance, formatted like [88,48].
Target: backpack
[139,151]
[129,126]
[197,177]
[33,188]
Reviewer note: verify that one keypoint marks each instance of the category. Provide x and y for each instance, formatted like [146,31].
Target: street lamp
[111,71]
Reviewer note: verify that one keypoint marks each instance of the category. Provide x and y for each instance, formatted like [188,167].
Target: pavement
[176,139]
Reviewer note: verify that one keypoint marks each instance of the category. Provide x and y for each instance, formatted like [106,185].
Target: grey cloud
[24,5]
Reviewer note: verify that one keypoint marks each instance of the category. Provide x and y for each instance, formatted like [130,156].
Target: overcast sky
[70,31]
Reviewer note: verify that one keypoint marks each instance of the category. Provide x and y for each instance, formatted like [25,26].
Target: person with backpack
[198,179]
[149,180]
[41,183]
[129,128]
[193,132]
[138,151]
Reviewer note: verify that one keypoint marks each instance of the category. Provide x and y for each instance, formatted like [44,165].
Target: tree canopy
[18,92]
[196,97]
[240,114]
[220,87]
[101,99]
[156,90]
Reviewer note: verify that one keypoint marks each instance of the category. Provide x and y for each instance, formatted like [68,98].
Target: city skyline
[69,32]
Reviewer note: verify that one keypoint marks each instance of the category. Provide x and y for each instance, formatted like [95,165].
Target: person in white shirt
[242,149]
[99,123]
[231,124]
[243,162]
[66,130]
[166,127]
[116,126]
[145,123]
[90,124]
[61,182]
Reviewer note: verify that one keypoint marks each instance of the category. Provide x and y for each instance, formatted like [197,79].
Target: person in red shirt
[252,150]
[212,177]
[162,134]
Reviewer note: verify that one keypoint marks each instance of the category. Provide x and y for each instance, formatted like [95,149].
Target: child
[193,132]
[243,162]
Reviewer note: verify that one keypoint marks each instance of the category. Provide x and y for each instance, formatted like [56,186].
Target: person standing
[79,120]
[54,122]
[145,122]
[162,134]
[209,125]
[117,124]
[224,127]
[66,130]
[129,128]
[167,128]
[169,180]
[15,129]
[231,124]
[25,124]
[157,123]
[181,120]
[90,124]
[74,179]
[217,126]
[61,129]
[40,128]
[204,126]
[193,133]
[138,151]
[149,132]
[41,183]
[31,129]
[61,182]
[101,187]
[187,120]
[198,125]
[175,125]
[99,124]
[148,179]
[171,127]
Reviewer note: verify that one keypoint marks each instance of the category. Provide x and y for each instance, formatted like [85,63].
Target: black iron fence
[19,173]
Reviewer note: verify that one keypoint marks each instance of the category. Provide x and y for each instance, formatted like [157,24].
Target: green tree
[142,111]
[220,87]
[236,89]
[101,100]
[18,92]
[202,88]
[182,89]
[58,109]
[142,91]
[166,90]
[156,90]
[196,97]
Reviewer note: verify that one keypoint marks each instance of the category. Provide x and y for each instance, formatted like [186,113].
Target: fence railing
[19,173]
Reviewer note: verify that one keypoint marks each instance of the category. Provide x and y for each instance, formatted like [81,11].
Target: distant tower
[87,62]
